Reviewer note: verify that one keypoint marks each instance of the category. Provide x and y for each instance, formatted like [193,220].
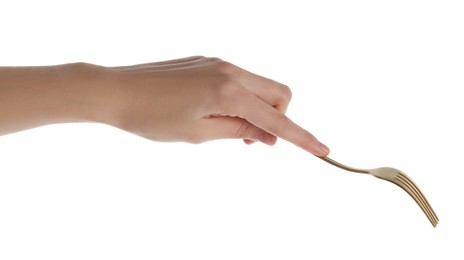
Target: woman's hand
[194,99]
[198,99]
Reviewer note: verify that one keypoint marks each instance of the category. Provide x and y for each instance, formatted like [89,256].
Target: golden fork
[399,178]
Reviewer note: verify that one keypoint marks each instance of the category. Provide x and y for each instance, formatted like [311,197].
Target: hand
[198,99]
[194,99]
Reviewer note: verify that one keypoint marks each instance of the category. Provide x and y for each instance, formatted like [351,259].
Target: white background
[378,81]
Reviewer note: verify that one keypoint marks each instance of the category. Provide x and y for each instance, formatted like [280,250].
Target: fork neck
[342,166]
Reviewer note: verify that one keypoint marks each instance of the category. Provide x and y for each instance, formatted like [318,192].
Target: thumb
[226,127]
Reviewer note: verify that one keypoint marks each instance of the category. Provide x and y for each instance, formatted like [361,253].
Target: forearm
[36,96]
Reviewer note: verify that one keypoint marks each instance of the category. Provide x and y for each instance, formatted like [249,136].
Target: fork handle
[342,166]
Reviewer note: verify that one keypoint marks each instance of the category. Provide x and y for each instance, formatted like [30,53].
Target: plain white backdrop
[379,82]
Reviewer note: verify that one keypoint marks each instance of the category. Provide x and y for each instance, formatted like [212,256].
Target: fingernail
[325,149]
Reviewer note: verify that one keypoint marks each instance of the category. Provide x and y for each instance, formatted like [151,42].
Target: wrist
[89,96]
[72,93]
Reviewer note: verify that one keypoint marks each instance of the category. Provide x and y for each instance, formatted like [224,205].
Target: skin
[194,99]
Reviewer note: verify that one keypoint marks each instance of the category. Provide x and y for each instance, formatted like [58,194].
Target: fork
[399,178]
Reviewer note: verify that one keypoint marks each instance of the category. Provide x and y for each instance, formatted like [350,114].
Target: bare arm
[194,99]
[36,96]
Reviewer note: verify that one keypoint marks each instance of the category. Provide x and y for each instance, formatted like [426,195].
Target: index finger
[264,116]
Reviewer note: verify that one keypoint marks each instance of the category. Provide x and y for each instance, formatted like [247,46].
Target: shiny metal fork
[399,178]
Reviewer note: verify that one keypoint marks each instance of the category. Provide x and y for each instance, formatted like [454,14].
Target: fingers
[267,118]
[273,93]
[225,127]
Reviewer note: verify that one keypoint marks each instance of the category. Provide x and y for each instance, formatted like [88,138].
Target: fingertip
[324,150]
[274,140]
[248,141]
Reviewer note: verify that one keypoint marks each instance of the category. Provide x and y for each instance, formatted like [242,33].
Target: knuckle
[281,123]
[213,59]
[225,67]
[311,137]
[242,131]
[309,141]
[226,94]
[196,58]
[282,120]
[285,92]
[228,87]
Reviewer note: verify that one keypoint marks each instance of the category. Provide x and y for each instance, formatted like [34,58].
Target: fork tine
[423,197]
[415,192]
[406,184]
[416,188]
[423,206]
[400,179]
